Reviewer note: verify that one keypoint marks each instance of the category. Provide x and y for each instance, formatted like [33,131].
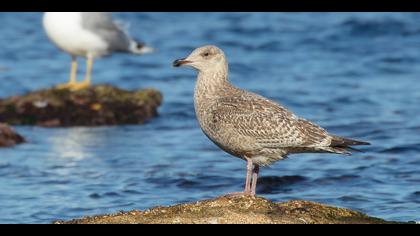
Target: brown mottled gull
[250,126]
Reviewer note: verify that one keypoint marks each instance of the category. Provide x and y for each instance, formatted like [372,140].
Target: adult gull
[90,35]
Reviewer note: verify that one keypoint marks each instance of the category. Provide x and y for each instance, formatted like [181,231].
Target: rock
[240,210]
[8,137]
[98,105]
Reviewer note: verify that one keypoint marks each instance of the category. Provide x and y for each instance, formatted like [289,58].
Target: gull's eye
[206,54]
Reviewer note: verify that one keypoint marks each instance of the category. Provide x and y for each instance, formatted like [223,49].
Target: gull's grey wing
[102,24]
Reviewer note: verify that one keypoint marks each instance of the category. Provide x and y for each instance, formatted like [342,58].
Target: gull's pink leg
[255,173]
[247,190]
[248,176]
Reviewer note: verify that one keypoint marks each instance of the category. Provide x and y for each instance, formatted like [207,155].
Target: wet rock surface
[239,210]
[96,106]
[9,137]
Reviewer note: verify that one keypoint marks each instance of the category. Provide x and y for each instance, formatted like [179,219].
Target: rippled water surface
[355,74]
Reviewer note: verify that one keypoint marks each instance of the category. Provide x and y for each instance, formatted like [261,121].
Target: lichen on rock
[238,210]
[95,106]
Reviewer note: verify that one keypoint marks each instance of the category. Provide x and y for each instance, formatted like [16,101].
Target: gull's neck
[212,83]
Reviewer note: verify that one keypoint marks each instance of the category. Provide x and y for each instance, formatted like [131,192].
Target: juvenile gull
[90,35]
[250,126]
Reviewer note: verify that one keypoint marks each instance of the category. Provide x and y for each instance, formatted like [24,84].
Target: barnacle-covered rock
[238,210]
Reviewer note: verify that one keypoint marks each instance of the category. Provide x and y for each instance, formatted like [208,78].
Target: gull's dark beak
[180,62]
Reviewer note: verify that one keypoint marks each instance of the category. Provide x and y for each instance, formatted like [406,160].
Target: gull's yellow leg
[73,74]
[88,79]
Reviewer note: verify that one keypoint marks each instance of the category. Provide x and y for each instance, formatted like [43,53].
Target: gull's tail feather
[339,141]
[135,46]
[343,145]
[140,48]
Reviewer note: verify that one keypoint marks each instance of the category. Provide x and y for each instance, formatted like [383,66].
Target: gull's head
[204,58]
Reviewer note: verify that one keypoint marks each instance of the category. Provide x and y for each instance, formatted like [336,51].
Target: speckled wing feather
[268,123]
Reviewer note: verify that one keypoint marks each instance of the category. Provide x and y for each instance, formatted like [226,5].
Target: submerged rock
[98,105]
[240,210]
[8,137]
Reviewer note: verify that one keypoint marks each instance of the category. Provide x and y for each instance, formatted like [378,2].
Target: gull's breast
[65,30]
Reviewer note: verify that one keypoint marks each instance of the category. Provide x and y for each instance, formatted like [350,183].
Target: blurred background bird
[90,35]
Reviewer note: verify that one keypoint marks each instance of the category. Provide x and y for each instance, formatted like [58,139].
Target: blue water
[356,74]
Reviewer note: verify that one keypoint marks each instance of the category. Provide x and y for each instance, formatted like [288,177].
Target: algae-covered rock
[98,105]
[8,137]
[239,210]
